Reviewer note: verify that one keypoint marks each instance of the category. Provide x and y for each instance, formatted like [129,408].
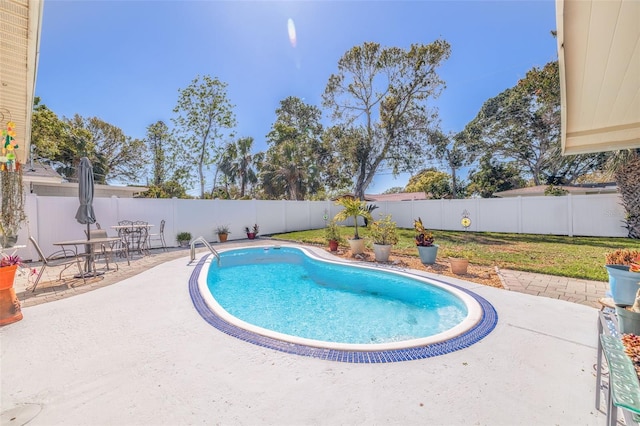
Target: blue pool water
[284,290]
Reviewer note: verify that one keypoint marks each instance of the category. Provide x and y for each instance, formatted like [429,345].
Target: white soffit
[599,58]
[20,26]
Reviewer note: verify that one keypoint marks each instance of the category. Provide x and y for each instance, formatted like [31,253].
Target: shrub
[622,257]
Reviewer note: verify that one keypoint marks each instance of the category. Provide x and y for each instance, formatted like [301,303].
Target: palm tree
[625,166]
[237,161]
[353,207]
[284,171]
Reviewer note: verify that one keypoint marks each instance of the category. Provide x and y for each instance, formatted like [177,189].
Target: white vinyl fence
[53,218]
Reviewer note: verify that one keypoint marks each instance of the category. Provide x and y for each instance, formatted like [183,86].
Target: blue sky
[124,61]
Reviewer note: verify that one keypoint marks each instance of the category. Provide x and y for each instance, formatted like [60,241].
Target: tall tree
[237,163]
[159,144]
[454,152]
[203,112]
[299,162]
[115,156]
[383,94]
[434,183]
[168,178]
[49,133]
[493,176]
[523,123]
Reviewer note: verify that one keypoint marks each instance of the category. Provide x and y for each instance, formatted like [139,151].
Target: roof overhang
[20,28]
[599,58]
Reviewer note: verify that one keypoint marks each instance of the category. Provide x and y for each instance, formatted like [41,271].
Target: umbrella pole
[87,262]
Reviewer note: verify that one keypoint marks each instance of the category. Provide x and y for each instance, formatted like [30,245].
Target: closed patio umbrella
[85,213]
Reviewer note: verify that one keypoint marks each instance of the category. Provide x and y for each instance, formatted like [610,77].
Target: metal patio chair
[158,236]
[64,257]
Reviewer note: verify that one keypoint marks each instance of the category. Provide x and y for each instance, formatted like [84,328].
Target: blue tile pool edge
[476,333]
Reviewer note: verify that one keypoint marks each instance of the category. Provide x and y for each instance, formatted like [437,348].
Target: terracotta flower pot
[10,310]
[222,237]
[458,265]
[333,245]
[7,274]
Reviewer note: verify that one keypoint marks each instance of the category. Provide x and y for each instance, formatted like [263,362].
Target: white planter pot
[357,246]
[382,252]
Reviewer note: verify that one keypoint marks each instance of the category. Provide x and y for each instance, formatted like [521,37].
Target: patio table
[135,236]
[89,253]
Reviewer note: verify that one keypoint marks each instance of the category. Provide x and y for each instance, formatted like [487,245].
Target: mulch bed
[484,275]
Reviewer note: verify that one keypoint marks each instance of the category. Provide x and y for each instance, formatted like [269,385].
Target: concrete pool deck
[137,352]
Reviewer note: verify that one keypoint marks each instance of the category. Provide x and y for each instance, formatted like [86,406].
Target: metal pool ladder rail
[206,243]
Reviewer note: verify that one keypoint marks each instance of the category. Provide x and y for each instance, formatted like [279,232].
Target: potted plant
[624,279]
[332,235]
[183,238]
[10,310]
[384,234]
[458,265]
[353,207]
[223,232]
[427,250]
[252,233]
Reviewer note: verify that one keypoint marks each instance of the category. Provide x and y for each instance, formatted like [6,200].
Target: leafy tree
[115,156]
[555,191]
[203,111]
[48,132]
[299,162]
[493,176]
[523,123]
[454,152]
[237,163]
[379,97]
[434,183]
[159,143]
[283,174]
[167,189]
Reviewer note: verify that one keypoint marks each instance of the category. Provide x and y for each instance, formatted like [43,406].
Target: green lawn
[578,257]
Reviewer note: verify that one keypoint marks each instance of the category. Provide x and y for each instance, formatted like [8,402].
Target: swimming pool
[289,299]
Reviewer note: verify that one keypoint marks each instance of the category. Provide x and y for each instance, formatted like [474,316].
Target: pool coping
[484,325]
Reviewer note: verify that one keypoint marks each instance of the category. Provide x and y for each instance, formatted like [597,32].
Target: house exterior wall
[52,219]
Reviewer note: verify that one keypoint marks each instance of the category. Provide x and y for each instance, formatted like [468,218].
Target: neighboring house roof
[36,172]
[70,189]
[40,179]
[401,196]
[538,190]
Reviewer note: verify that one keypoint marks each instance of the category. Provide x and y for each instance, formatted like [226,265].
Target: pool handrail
[202,240]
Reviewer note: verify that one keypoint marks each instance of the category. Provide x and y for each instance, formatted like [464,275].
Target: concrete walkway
[573,290]
[136,352]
